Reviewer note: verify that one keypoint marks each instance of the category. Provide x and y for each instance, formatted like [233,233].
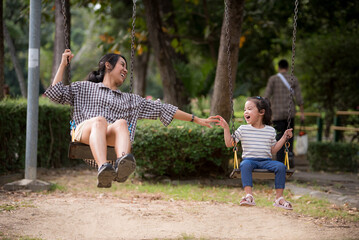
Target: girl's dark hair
[111,58]
[263,103]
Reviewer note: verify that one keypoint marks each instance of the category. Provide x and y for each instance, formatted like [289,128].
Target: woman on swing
[105,116]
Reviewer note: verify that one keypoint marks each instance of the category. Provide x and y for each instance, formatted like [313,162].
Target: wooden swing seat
[79,150]
[260,174]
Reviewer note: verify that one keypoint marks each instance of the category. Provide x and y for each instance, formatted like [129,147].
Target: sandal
[248,200]
[284,204]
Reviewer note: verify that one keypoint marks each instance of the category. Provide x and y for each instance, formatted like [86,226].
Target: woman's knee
[99,122]
[120,125]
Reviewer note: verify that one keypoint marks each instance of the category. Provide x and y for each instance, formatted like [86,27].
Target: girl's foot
[280,202]
[248,200]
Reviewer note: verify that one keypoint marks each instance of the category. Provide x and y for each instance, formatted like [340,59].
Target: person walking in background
[277,90]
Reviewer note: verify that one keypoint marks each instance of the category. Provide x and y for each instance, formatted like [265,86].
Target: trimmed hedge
[333,156]
[53,135]
[182,149]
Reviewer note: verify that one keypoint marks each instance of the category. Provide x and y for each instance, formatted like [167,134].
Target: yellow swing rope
[235,159]
[286,158]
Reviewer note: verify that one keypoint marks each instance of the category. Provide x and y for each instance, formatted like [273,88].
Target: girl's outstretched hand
[220,121]
[205,121]
[288,133]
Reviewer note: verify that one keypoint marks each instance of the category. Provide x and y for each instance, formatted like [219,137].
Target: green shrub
[53,135]
[333,156]
[182,149]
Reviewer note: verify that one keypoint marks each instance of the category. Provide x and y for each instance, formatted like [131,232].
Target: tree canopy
[326,44]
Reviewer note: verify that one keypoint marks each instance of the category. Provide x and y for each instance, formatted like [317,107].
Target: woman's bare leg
[119,137]
[94,134]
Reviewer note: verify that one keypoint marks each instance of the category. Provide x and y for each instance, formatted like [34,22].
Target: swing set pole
[30,182]
[33,90]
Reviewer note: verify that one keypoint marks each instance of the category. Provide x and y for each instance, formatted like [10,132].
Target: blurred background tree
[326,45]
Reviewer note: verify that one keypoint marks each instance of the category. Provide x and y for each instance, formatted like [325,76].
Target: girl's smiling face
[252,115]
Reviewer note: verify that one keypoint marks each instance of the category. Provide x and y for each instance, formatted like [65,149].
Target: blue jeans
[248,164]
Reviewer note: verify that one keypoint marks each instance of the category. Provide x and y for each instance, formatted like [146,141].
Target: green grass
[56,186]
[264,197]
[263,193]
[8,207]
[12,237]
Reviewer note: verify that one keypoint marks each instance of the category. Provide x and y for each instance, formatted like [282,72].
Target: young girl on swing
[258,141]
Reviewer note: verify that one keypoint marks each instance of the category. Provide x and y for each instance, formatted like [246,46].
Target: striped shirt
[95,99]
[278,94]
[256,142]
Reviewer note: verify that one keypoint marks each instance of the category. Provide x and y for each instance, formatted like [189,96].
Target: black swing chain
[132,56]
[132,43]
[67,46]
[228,38]
[67,40]
[292,71]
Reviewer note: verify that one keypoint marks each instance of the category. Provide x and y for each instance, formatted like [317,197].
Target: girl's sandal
[248,200]
[284,204]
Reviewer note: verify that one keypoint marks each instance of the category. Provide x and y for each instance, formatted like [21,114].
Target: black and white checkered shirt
[95,99]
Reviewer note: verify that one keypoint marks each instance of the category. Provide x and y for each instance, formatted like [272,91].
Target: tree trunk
[60,41]
[140,68]
[2,79]
[220,102]
[173,88]
[15,62]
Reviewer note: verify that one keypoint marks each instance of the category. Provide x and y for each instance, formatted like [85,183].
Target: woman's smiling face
[120,71]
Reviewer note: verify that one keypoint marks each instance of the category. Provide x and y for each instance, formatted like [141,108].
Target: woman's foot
[248,200]
[124,167]
[280,202]
[105,176]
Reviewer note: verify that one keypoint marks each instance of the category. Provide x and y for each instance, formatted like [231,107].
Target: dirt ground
[103,214]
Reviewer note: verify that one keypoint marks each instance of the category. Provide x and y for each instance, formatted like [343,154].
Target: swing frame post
[30,182]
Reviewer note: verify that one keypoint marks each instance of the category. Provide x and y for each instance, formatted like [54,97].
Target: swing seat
[260,174]
[79,150]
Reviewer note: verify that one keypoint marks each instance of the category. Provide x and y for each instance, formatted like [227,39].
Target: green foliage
[180,150]
[53,135]
[329,70]
[333,156]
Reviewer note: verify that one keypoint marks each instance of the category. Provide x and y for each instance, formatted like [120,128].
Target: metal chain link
[292,65]
[68,67]
[226,11]
[67,40]
[132,43]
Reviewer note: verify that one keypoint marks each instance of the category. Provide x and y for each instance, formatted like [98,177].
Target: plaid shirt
[278,94]
[95,99]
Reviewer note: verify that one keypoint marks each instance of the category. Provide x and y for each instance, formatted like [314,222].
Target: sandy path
[105,217]
[88,213]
